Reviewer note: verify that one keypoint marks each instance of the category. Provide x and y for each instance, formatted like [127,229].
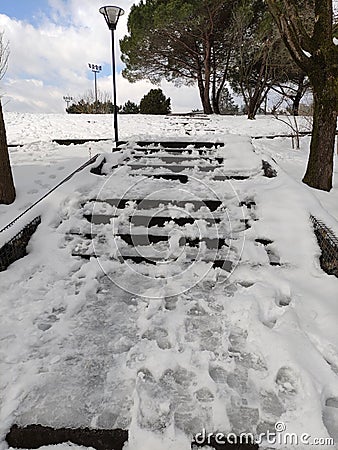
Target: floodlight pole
[95,69]
[112,15]
[67,99]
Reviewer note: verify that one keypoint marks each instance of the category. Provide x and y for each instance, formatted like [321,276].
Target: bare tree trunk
[252,110]
[321,68]
[299,94]
[256,100]
[319,171]
[215,103]
[207,77]
[222,84]
[7,190]
[201,89]
[206,101]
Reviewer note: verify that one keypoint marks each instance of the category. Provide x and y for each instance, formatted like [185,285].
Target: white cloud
[31,95]
[50,60]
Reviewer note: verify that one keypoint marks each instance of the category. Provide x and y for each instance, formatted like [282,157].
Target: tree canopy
[208,43]
[181,41]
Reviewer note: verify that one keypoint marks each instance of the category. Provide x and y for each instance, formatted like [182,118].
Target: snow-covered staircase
[153,230]
[160,342]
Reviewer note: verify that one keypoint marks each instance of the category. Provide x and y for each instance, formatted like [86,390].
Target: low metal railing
[16,248]
[328,243]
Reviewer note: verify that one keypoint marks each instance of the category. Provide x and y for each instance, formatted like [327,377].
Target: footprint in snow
[218,374]
[153,406]
[287,383]
[160,335]
[47,321]
[204,395]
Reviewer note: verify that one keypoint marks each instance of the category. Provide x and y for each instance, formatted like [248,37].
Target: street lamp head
[111,15]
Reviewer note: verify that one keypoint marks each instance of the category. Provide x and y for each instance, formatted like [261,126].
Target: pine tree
[130,108]
[183,41]
[155,103]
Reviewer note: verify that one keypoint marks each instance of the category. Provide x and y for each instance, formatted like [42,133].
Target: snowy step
[174,167]
[165,250]
[99,219]
[146,239]
[179,158]
[211,204]
[152,220]
[184,179]
[154,255]
[161,219]
[212,238]
[36,436]
[211,232]
[142,236]
[175,151]
[180,144]
[164,176]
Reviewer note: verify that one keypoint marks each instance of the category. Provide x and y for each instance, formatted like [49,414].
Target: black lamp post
[112,15]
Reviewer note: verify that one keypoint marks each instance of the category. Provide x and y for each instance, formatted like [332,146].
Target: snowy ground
[39,165]
[166,359]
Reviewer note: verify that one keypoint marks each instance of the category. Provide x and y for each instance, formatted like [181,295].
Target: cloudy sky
[52,42]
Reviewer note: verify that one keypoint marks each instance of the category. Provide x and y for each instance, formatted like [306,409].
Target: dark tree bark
[299,94]
[7,190]
[217,90]
[207,75]
[319,172]
[204,87]
[215,103]
[201,89]
[255,102]
[317,56]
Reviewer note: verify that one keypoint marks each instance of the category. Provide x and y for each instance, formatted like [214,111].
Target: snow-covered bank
[25,128]
[40,164]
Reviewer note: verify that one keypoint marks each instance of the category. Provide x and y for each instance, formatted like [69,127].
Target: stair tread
[179,144]
[154,203]
[155,252]
[164,156]
[176,166]
[185,176]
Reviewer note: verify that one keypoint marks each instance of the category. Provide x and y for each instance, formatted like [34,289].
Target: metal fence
[16,248]
[328,243]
